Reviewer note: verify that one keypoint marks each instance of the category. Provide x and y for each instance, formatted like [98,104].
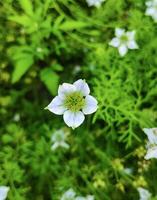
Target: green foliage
[45,43]
[23,59]
[50,79]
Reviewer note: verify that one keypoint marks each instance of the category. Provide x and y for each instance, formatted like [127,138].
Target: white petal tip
[82,86]
[72,119]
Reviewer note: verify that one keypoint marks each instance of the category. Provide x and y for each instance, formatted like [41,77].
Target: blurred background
[44,43]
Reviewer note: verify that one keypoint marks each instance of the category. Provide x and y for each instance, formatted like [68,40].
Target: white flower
[152,9]
[16,117]
[96,3]
[152,143]
[69,195]
[58,139]
[73,102]
[76,69]
[128,170]
[3,192]
[144,194]
[124,41]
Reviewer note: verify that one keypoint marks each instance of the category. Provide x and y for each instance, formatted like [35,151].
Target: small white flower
[73,102]
[124,41]
[3,192]
[152,9]
[128,170]
[76,69]
[144,194]
[96,3]
[69,195]
[16,117]
[58,139]
[152,143]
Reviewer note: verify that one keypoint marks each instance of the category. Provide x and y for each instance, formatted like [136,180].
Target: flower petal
[56,106]
[155,17]
[149,3]
[131,35]
[3,192]
[144,194]
[115,42]
[150,11]
[119,32]
[73,119]
[122,50]
[82,87]
[90,197]
[151,153]
[132,44]
[65,89]
[96,3]
[152,137]
[91,105]
[69,194]
[65,145]
[55,146]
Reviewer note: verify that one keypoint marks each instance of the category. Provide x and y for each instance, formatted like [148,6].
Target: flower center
[74,101]
[124,38]
[59,137]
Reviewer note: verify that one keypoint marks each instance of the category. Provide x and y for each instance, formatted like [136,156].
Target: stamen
[74,101]
[124,38]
